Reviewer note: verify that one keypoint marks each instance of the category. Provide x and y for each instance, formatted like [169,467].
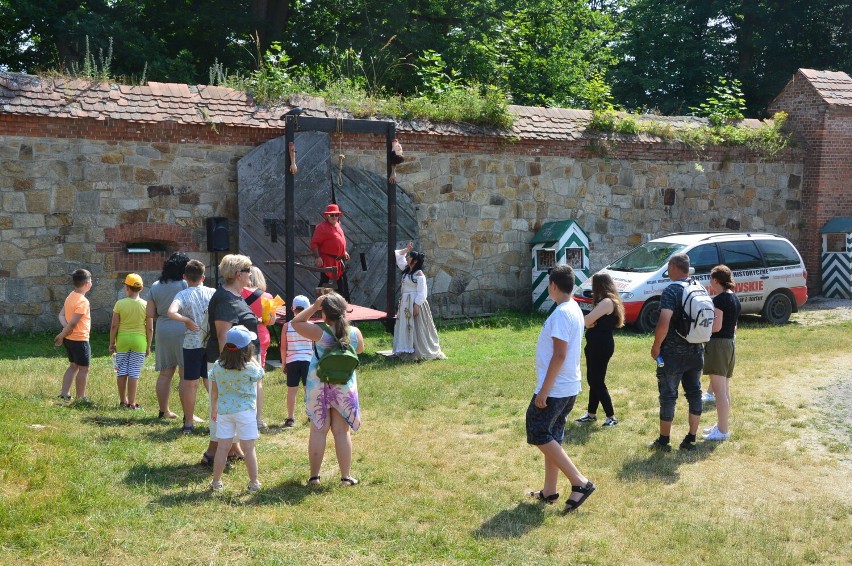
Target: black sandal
[349,482]
[207,459]
[586,490]
[314,480]
[548,499]
[187,429]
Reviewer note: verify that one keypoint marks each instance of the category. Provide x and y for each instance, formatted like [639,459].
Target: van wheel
[648,316]
[777,309]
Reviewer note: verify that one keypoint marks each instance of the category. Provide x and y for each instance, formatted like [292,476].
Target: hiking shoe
[289,423]
[712,428]
[717,434]
[253,486]
[586,419]
[659,446]
[216,485]
[64,397]
[708,397]
[686,445]
[610,421]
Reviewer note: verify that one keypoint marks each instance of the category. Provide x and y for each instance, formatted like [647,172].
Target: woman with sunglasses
[227,309]
[328,245]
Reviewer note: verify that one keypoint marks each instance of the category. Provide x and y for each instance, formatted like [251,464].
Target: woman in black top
[720,354]
[607,315]
[227,308]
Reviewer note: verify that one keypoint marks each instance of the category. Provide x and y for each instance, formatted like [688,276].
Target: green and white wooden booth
[837,258]
[557,243]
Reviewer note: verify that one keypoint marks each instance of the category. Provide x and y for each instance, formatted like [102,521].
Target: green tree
[671,51]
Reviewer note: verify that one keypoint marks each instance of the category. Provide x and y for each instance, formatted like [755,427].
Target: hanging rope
[340,158]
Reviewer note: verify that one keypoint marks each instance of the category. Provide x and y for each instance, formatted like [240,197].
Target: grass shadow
[512,523]
[166,475]
[579,434]
[173,432]
[290,492]
[103,420]
[663,466]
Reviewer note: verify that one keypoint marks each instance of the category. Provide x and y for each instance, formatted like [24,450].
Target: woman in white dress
[414,336]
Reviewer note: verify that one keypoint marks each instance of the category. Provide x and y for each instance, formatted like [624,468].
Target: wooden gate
[362,198]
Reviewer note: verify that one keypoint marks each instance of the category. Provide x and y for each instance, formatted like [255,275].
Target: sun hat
[332,209]
[300,302]
[133,280]
[240,336]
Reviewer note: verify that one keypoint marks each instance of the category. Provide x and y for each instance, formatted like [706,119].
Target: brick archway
[172,237]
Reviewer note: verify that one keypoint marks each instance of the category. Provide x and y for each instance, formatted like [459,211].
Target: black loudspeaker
[218,237]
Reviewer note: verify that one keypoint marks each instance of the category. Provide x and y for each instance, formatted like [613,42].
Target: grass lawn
[444,465]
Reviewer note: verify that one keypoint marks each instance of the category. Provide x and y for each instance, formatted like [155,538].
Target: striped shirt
[299,348]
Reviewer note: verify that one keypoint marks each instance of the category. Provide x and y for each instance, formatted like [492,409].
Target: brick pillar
[820,107]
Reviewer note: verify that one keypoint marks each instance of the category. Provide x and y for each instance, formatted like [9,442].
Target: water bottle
[660,362]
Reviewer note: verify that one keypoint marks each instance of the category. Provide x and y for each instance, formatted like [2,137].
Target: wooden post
[289,214]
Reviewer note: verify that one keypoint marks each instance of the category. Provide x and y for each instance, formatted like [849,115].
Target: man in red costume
[328,245]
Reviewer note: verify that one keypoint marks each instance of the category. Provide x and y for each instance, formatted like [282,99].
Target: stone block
[441,282]
[32,268]
[38,202]
[23,184]
[133,216]
[145,176]
[21,220]
[14,202]
[112,158]
[92,172]
[11,252]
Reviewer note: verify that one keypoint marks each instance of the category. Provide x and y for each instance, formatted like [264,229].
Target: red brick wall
[173,132]
[827,182]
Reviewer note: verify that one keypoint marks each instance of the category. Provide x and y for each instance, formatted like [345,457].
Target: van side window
[741,255]
[778,253]
[703,258]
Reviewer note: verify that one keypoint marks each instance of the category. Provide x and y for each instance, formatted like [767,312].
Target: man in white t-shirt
[190,307]
[557,363]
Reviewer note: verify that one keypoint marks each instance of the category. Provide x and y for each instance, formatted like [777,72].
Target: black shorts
[79,352]
[194,364]
[544,425]
[297,372]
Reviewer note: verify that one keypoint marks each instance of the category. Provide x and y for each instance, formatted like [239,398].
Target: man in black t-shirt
[682,361]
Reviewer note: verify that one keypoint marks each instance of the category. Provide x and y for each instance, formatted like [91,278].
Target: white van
[769,274]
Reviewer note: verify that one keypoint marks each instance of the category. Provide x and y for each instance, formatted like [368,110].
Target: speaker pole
[289,214]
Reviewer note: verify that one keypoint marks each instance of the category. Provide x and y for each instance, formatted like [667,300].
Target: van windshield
[646,258]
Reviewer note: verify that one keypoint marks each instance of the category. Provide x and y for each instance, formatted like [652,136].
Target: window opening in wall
[545,259]
[145,247]
[835,242]
[574,258]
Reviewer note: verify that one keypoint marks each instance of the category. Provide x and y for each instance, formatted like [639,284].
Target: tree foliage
[663,55]
[671,52]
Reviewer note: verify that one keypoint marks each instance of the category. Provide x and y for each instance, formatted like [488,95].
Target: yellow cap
[133,280]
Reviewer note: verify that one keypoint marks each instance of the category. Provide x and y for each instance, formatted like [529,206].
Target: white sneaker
[253,486]
[708,397]
[711,429]
[216,486]
[717,435]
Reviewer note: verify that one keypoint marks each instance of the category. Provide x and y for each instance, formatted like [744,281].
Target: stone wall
[478,211]
[69,203]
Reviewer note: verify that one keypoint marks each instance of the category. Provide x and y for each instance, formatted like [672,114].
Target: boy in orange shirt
[76,320]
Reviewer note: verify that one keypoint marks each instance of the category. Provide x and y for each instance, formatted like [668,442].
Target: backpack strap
[327,330]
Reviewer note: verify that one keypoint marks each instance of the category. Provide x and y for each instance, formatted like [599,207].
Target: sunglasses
[246,270]
[333,215]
